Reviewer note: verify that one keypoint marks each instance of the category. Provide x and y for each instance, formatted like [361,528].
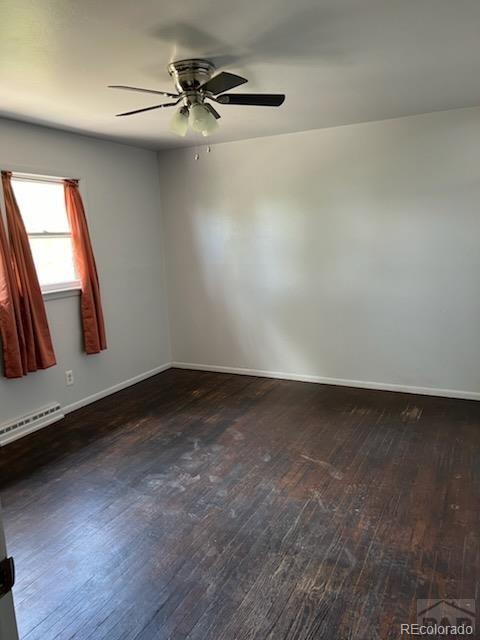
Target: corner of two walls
[345,255]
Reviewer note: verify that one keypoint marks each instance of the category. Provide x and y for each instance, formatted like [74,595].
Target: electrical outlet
[69,378]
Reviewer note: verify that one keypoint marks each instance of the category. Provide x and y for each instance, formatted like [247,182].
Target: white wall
[350,253]
[121,194]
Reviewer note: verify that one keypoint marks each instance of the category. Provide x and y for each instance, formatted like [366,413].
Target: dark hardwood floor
[219,507]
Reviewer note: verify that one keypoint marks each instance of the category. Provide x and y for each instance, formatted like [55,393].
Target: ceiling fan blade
[157,106]
[213,111]
[255,99]
[160,93]
[223,82]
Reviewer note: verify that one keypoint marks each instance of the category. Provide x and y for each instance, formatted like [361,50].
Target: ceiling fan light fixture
[196,83]
[201,119]
[179,122]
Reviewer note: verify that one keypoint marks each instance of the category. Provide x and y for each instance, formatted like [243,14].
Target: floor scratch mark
[335,473]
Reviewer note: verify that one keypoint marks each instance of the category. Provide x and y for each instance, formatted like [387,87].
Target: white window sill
[58,294]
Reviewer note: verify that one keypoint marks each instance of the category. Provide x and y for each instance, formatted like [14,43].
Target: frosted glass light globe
[179,122]
[201,119]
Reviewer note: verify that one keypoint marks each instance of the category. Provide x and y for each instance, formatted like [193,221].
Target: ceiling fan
[196,83]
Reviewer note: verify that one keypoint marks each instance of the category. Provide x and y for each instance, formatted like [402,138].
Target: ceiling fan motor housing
[189,75]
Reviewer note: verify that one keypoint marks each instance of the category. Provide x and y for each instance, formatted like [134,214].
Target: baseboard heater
[18,427]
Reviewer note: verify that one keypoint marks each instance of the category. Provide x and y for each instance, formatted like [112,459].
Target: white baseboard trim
[10,436]
[116,387]
[342,382]
[261,373]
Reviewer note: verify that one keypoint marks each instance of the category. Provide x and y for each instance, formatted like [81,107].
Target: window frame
[57,289]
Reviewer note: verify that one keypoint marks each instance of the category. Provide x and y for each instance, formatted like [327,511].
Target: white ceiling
[338,61]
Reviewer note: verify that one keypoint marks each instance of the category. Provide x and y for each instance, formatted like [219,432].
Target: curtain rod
[29,177]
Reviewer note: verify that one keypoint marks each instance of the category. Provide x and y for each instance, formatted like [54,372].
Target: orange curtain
[11,331]
[91,304]
[25,331]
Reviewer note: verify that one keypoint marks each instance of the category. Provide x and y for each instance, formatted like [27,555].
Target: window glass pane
[42,205]
[53,259]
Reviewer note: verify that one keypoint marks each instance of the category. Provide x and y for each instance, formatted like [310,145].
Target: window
[42,205]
